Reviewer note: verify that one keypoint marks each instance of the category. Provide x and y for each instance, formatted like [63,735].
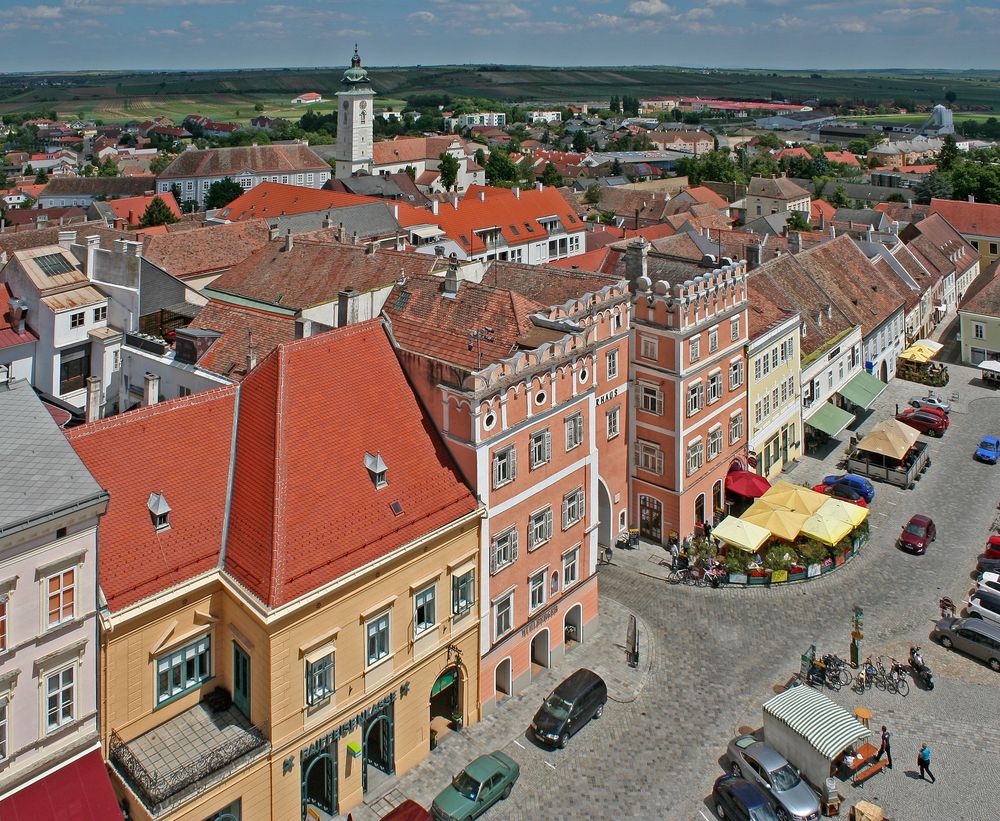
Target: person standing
[885,748]
[924,762]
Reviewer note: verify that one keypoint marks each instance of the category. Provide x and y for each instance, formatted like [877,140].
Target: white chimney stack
[434,207]
[66,239]
[517,192]
[93,408]
[151,391]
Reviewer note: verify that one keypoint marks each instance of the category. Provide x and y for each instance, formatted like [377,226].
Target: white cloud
[725,2]
[32,12]
[649,8]
[421,17]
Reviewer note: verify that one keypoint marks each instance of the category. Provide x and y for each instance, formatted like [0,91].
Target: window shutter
[659,403]
[548,523]
[513,463]
[496,470]
[493,557]
[548,445]
[513,546]
[659,462]
[454,594]
[565,512]
[579,504]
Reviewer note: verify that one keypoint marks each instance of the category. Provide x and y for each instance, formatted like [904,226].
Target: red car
[925,421]
[843,492]
[992,550]
[917,534]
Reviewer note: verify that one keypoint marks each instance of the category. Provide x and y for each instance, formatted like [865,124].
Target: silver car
[975,637]
[758,762]
[930,401]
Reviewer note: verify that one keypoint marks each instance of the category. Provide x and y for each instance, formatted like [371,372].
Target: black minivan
[566,709]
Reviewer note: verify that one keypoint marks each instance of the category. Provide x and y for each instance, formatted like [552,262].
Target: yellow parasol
[794,497]
[826,528]
[743,535]
[844,511]
[921,351]
[783,523]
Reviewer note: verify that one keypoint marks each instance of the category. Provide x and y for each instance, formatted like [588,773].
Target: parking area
[714,656]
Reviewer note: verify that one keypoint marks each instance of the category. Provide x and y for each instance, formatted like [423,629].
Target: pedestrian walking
[885,748]
[924,762]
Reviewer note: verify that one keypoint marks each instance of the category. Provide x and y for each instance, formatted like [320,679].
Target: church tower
[354,126]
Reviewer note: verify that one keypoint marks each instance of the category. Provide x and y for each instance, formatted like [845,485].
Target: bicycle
[681,575]
[837,674]
[897,682]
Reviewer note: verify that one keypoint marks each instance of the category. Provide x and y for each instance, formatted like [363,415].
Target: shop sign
[545,615]
[607,397]
[336,733]
[814,570]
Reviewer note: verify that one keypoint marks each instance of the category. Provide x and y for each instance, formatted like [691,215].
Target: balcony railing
[180,757]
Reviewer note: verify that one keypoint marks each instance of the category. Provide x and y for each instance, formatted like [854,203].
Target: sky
[175,34]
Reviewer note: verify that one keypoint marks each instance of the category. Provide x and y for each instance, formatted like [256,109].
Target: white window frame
[571,567]
[735,427]
[534,587]
[503,605]
[756,369]
[573,508]
[504,466]
[735,374]
[197,652]
[650,399]
[734,328]
[695,397]
[612,364]
[463,592]
[426,599]
[574,431]
[60,594]
[4,624]
[4,701]
[694,348]
[695,456]
[713,339]
[540,527]
[382,634]
[503,550]
[613,421]
[649,347]
[649,457]
[715,442]
[60,693]
[78,319]
[714,387]
[978,330]
[540,448]
[320,675]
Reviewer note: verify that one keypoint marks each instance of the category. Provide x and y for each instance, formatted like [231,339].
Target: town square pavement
[710,658]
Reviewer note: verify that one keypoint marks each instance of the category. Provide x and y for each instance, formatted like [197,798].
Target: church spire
[355,75]
[356,59]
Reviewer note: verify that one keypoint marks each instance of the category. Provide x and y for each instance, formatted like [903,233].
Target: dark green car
[478,787]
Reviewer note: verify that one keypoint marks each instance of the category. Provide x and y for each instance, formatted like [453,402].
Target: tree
[616,168]
[935,184]
[222,192]
[949,153]
[839,198]
[28,170]
[551,176]
[41,177]
[769,140]
[157,213]
[615,104]
[500,168]
[592,196]
[448,169]
[480,158]
[950,96]
[819,184]
[581,142]
[108,168]
[258,106]
[797,222]
[160,161]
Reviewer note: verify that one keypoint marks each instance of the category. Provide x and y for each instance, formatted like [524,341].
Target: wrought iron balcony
[186,755]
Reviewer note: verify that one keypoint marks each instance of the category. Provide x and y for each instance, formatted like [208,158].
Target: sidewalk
[504,729]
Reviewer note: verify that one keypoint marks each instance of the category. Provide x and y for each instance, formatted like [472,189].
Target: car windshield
[784,778]
[915,529]
[466,785]
[557,707]
[763,813]
[986,444]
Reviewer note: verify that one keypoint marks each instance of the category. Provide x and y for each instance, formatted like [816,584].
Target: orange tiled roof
[205,250]
[131,209]
[408,149]
[240,327]
[976,218]
[843,157]
[275,199]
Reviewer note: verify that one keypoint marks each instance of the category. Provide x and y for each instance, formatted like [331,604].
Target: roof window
[53,264]
[376,470]
[159,510]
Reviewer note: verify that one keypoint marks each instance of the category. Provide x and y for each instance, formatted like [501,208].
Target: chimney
[93,408]
[972,197]
[327,221]
[636,254]
[752,253]
[434,207]
[272,231]
[303,328]
[454,201]
[354,238]
[451,278]
[288,240]
[819,318]
[251,352]
[833,230]
[517,192]
[869,234]
[829,310]
[151,392]
[93,244]
[539,185]
[822,220]
[66,239]
[395,212]
[482,196]
[795,240]
[343,303]
[370,249]
[18,312]
[909,203]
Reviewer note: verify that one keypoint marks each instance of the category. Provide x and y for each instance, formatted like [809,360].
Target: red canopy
[745,483]
[78,791]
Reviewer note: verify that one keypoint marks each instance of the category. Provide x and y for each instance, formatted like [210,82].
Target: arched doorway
[699,508]
[573,626]
[446,702]
[378,748]
[650,518]
[885,371]
[717,501]
[502,682]
[540,658]
[604,517]
[319,782]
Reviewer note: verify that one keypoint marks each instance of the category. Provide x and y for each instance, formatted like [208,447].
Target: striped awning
[826,726]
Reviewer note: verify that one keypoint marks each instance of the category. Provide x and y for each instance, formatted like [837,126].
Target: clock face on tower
[364,104]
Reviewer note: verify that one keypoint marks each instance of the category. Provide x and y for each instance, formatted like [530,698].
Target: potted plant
[456,718]
[778,559]
[736,565]
[811,555]
[434,739]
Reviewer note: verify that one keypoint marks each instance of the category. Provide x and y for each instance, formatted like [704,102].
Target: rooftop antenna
[476,338]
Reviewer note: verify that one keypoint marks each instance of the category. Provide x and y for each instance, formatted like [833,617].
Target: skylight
[53,264]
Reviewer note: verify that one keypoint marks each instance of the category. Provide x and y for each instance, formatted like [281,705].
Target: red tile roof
[263,159]
[821,208]
[240,327]
[205,250]
[797,151]
[131,209]
[986,301]
[843,157]
[706,195]
[408,149]
[274,199]
[183,447]
[976,218]
[9,337]
[305,510]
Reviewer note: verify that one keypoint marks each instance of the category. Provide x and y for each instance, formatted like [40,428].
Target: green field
[220,94]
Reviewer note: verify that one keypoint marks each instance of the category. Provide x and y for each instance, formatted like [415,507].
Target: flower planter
[839,560]
[796,575]
[779,576]
[815,570]
[737,578]
[761,579]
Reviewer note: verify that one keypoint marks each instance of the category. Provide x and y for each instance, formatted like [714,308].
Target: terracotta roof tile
[274,199]
[305,510]
[99,186]
[408,149]
[131,209]
[546,285]
[183,447]
[976,218]
[240,326]
[986,300]
[207,250]
[780,188]
[262,159]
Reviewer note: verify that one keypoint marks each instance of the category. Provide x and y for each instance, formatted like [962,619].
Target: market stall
[892,452]
[811,731]
[989,371]
[741,534]
[781,522]
[796,498]
[917,364]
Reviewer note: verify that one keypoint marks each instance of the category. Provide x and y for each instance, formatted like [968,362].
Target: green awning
[444,681]
[863,390]
[830,419]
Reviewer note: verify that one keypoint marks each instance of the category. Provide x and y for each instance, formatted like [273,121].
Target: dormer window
[159,510]
[376,470]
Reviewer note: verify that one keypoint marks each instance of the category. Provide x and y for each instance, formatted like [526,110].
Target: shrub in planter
[811,552]
[736,561]
[779,557]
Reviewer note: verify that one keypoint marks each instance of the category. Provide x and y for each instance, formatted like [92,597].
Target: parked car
[857,483]
[984,606]
[988,450]
[992,550]
[985,565]
[842,491]
[974,637]
[925,421]
[988,582]
[917,534]
[756,761]
[741,800]
[930,401]
[488,779]
[569,707]
[409,810]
